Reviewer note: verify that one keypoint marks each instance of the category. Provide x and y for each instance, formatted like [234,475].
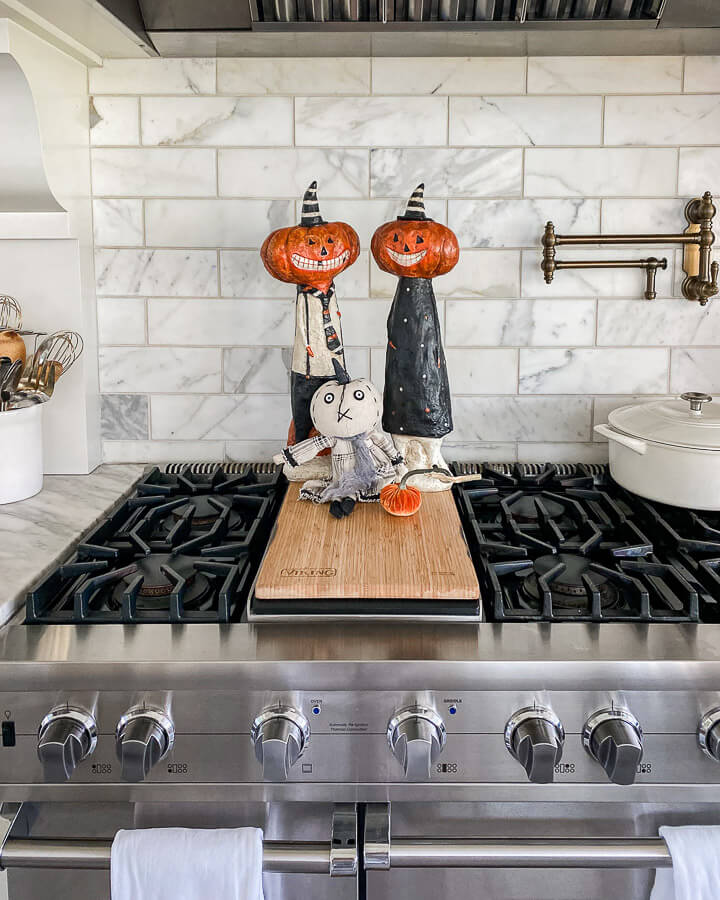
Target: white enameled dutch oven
[668,450]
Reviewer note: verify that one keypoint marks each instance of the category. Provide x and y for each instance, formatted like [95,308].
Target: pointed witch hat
[311,208]
[416,205]
[340,373]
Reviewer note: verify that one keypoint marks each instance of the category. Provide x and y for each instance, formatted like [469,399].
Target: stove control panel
[416,735]
[535,737]
[66,737]
[279,736]
[614,738]
[144,736]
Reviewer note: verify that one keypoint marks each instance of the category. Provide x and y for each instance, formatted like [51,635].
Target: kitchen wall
[195,161]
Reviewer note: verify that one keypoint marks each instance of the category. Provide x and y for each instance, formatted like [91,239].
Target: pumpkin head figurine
[310,255]
[416,403]
[313,252]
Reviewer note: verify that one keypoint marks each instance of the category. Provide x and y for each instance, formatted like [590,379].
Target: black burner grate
[184,548]
[565,543]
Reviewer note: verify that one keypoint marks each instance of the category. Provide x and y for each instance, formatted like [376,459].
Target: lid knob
[696,400]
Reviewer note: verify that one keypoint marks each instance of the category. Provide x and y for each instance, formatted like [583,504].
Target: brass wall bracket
[701,275]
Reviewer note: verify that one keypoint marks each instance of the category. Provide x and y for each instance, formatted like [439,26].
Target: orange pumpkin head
[401,499]
[313,252]
[414,246]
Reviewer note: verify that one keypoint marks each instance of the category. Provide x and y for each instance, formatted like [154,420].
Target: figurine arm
[384,442]
[304,451]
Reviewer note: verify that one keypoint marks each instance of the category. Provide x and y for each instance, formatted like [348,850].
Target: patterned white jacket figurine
[346,414]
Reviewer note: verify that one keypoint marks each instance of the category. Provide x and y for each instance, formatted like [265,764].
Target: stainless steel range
[382,759]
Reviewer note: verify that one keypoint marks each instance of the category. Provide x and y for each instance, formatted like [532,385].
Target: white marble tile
[604,74]
[482,371]
[156,76]
[366,216]
[308,75]
[598,172]
[474,451]
[571,283]
[370,121]
[357,360]
[695,370]
[676,120]
[221,323]
[252,451]
[220,417]
[156,273]
[562,453]
[479,273]
[364,322]
[525,121]
[256,370]
[522,418]
[702,73]
[147,369]
[642,216]
[518,323]
[603,406]
[664,322]
[214,222]
[217,121]
[279,172]
[243,275]
[155,451]
[121,320]
[114,120]
[699,170]
[593,371]
[118,223]
[153,172]
[124,417]
[504,222]
[448,75]
[446,172]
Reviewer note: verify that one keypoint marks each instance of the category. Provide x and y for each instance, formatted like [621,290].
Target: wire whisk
[10,314]
[60,349]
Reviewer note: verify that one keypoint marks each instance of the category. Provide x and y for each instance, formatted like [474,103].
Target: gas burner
[525,508]
[564,574]
[160,573]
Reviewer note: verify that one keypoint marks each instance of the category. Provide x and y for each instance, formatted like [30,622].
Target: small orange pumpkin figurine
[401,499]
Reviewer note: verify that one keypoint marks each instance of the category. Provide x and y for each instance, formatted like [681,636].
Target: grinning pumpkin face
[310,255]
[346,410]
[415,248]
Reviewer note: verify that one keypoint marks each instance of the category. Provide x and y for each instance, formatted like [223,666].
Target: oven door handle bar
[382,851]
[337,857]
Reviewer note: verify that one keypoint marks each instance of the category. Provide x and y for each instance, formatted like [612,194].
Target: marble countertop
[35,533]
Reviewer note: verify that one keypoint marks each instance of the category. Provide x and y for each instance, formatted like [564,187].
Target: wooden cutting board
[369,554]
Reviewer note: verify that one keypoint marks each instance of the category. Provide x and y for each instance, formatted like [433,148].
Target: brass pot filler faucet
[701,276]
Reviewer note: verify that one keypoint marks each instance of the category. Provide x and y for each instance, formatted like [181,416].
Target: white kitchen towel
[695,873]
[187,864]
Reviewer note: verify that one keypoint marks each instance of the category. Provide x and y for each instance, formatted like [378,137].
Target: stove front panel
[348,743]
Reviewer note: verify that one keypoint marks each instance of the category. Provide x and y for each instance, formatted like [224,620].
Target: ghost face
[346,410]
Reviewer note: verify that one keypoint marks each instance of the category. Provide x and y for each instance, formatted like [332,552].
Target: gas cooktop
[549,543]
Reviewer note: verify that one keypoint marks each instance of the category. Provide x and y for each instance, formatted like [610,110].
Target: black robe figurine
[417,409]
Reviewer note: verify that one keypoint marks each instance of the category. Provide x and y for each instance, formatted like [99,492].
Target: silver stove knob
[416,735]
[66,737]
[143,737]
[614,738]
[709,734]
[279,736]
[534,736]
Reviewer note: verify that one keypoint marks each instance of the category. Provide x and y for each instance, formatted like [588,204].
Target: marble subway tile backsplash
[195,161]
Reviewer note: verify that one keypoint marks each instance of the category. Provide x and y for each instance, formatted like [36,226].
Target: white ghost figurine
[346,414]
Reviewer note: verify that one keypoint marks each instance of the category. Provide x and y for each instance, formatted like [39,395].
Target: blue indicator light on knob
[452,710]
[316,710]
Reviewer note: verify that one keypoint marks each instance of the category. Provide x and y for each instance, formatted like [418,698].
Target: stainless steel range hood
[423,27]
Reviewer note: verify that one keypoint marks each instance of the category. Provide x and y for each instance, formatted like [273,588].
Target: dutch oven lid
[692,421]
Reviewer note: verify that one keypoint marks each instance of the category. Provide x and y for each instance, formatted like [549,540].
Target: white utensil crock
[667,450]
[21,454]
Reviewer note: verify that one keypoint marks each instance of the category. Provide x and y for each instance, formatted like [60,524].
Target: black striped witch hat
[416,204]
[311,208]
